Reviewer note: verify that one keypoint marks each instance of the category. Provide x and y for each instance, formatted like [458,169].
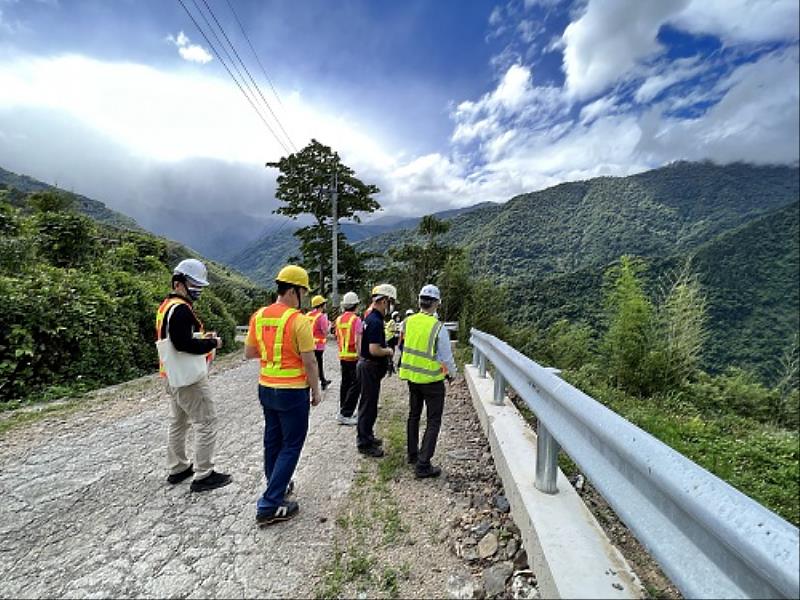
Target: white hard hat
[430,291]
[409,312]
[349,299]
[194,270]
[385,289]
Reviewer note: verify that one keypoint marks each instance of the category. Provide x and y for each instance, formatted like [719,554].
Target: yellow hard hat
[317,301]
[294,275]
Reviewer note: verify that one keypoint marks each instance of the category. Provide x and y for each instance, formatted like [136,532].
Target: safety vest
[388,330]
[281,364]
[314,315]
[161,314]
[346,337]
[419,364]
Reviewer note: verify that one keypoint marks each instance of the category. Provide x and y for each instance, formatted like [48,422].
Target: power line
[236,81]
[246,70]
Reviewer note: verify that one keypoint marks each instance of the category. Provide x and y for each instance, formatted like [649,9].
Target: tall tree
[305,185]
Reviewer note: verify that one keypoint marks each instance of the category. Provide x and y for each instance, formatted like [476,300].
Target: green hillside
[17,188]
[659,213]
[78,298]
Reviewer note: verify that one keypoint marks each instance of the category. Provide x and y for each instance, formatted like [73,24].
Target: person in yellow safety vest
[280,336]
[348,327]
[426,363]
[190,404]
[319,329]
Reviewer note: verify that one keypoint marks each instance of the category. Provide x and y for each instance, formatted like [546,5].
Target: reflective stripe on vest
[281,365]
[419,363]
[314,315]
[345,337]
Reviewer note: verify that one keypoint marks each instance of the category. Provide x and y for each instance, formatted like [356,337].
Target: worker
[393,330]
[373,364]
[281,337]
[319,329]
[426,363]
[189,404]
[348,336]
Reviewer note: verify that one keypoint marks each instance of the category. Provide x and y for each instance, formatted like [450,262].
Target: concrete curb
[567,549]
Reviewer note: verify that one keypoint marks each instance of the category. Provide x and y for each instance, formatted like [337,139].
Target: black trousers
[350,388]
[432,396]
[369,375]
[318,354]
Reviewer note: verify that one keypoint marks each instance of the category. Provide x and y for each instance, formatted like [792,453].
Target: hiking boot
[211,482]
[425,472]
[373,451]
[284,512]
[349,421]
[181,476]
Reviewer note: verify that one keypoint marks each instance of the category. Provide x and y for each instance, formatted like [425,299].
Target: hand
[219,342]
[316,395]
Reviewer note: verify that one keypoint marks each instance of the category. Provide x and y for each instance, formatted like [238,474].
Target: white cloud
[676,72]
[598,108]
[742,20]
[609,39]
[189,51]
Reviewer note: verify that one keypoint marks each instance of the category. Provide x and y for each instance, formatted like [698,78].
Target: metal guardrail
[242,329]
[711,540]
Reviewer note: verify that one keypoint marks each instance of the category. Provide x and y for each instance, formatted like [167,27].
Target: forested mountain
[565,228]
[261,259]
[17,188]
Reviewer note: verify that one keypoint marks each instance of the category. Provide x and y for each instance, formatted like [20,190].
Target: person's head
[429,298]
[292,282]
[189,278]
[319,302]
[349,301]
[409,312]
[395,316]
[384,297]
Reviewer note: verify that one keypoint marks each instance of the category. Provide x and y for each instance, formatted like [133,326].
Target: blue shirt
[373,334]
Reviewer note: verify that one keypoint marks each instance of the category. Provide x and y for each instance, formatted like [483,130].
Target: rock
[459,454]
[443,535]
[463,586]
[521,560]
[501,502]
[481,529]
[513,529]
[470,541]
[523,588]
[470,554]
[495,577]
[487,546]
[511,548]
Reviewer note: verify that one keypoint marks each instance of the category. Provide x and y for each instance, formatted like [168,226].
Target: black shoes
[325,383]
[375,451]
[178,477]
[412,460]
[289,488]
[377,442]
[425,472]
[211,482]
[284,512]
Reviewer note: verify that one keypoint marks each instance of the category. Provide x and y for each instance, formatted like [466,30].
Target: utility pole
[335,253]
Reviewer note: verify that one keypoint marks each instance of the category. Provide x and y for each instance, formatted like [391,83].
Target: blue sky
[441,103]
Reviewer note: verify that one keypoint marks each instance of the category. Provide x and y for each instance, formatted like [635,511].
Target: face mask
[194,293]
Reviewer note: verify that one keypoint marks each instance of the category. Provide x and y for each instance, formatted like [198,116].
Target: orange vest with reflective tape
[314,315]
[281,364]
[161,314]
[345,336]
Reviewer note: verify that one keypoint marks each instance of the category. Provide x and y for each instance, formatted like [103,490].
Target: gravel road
[87,512]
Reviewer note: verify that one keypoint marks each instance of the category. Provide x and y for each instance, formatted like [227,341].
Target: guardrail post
[547,449]
[499,388]
[482,365]
[475,355]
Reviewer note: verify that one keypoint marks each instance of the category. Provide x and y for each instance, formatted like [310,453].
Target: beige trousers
[191,405]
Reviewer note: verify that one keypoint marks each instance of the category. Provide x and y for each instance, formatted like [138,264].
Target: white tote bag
[182,368]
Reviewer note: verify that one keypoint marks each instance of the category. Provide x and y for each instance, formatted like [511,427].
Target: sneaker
[349,421]
[289,489]
[425,472]
[211,482]
[181,476]
[284,512]
[373,451]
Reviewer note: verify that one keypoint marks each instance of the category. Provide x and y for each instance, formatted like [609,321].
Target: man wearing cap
[427,361]
[319,329]
[280,335]
[189,404]
[348,337]
[373,364]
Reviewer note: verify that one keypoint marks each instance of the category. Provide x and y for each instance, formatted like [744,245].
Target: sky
[440,103]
